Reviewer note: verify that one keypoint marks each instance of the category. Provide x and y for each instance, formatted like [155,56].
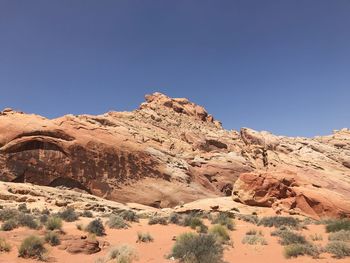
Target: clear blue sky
[282,66]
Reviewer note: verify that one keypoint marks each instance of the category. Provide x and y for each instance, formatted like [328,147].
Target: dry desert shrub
[254,237]
[32,247]
[157,220]
[295,250]
[54,223]
[225,220]
[117,222]
[129,215]
[4,246]
[144,237]
[122,254]
[197,248]
[337,225]
[339,249]
[96,227]
[342,235]
[68,215]
[316,237]
[220,232]
[278,221]
[52,238]
[196,223]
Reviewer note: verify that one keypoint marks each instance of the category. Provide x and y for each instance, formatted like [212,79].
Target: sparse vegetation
[27,220]
[53,223]
[295,250]
[144,237]
[80,226]
[342,235]
[220,232]
[288,237]
[32,247]
[9,225]
[157,220]
[96,227]
[253,219]
[43,218]
[316,237]
[337,225]
[194,248]
[225,220]
[116,221]
[129,215]
[45,211]
[339,249]
[69,215]
[7,214]
[175,218]
[4,246]
[195,223]
[87,214]
[23,208]
[278,221]
[122,254]
[52,238]
[254,237]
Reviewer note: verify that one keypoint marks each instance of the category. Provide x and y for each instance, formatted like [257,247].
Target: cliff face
[171,151]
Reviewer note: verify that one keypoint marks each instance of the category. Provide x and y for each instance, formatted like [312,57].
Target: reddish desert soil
[163,235]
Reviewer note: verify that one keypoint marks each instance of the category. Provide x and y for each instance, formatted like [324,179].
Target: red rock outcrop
[167,152]
[290,192]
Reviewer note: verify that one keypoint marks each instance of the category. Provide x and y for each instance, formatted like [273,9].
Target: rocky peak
[9,111]
[157,101]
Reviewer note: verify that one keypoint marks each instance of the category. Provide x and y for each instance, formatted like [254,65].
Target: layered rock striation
[171,151]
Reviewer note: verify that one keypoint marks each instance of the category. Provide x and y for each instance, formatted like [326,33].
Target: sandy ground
[156,251]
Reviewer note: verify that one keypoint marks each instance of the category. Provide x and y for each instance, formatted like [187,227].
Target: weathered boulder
[290,192]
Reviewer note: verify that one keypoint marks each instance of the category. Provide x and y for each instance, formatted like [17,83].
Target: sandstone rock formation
[171,151]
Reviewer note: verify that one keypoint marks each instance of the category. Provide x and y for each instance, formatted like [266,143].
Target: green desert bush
[116,221]
[194,248]
[4,246]
[27,220]
[9,225]
[69,215]
[87,213]
[278,221]
[225,220]
[337,225]
[339,249]
[129,215]
[53,223]
[32,247]
[220,232]
[195,223]
[122,254]
[52,238]
[342,235]
[154,220]
[295,250]
[96,227]
[254,237]
[144,237]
